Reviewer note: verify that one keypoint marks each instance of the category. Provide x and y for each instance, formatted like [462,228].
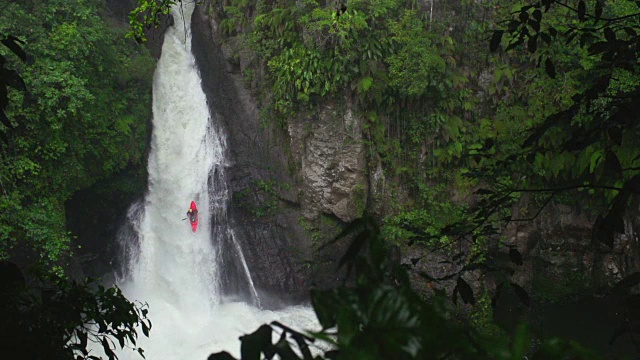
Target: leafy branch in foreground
[379,316]
[9,78]
[65,319]
[147,15]
[593,141]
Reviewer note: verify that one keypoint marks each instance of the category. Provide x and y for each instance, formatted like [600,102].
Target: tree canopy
[64,129]
[61,130]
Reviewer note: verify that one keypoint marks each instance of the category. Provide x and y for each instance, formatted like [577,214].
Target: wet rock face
[330,149]
[560,259]
[275,256]
[316,169]
[561,256]
[274,244]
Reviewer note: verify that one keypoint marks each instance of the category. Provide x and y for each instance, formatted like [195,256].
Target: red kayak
[194,222]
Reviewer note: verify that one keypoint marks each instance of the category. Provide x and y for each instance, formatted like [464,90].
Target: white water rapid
[171,268]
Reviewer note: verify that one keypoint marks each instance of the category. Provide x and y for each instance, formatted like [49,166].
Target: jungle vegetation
[531,97]
[63,129]
[75,101]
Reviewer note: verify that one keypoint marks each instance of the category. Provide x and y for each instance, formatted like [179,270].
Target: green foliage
[481,317]
[359,199]
[432,212]
[368,49]
[561,289]
[66,132]
[588,141]
[62,319]
[397,65]
[417,68]
[147,15]
[10,78]
[69,130]
[235,17]
[576,146]
[262,197]
[311,229]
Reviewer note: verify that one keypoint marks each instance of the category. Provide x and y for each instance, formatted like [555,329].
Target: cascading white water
[171,268]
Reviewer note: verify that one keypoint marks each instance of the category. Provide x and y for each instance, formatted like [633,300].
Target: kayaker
[192,214]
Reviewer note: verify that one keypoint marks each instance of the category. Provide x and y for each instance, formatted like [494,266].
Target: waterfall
[169,267]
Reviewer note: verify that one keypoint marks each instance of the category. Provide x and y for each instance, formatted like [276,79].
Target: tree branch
[574,187]
[539,210]
[608,20]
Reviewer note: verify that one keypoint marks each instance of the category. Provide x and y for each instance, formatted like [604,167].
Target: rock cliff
[283,182]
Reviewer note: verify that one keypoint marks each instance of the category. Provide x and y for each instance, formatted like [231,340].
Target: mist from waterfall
[169,267]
